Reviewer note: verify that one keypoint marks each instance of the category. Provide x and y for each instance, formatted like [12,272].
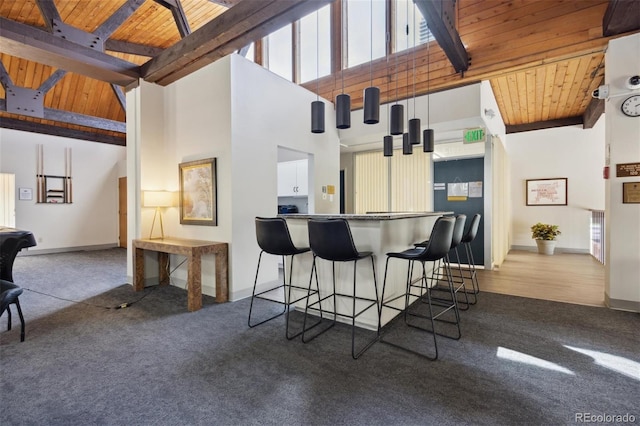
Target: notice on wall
[457,191]
[475,189]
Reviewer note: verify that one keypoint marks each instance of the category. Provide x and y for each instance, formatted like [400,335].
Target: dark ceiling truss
[178,15]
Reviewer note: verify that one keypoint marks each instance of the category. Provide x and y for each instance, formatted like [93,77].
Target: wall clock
[631,106]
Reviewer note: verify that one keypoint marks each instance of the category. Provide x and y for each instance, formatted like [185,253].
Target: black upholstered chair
[274,238]
[468,237]
[331,240]
[11,242]
[9,293]
[435,250]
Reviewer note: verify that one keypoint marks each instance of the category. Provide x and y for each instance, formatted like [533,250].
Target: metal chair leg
[21,321]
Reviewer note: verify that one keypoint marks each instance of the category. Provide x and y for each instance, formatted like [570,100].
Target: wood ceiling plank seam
[577,81]
[115,20]
[29,73]
[528,12]
[138,23]
[521,82]
[540,74]
[52,97]
[550,74]
[512,82]
[531,89]
[553,23]
[73,100]
[69,86]
[565,91]
[13,69]
[95,97]
[163,26]
[474,11]
[585,86]
[502,90]
[558,82]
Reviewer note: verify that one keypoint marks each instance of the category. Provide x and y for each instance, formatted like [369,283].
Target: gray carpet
[520,361]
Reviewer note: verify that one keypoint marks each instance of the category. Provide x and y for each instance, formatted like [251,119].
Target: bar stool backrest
[273,236]
[458,230]
[473,229]
[440,239]
[331,239]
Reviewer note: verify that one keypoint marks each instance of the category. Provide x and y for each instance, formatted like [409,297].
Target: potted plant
[545,236]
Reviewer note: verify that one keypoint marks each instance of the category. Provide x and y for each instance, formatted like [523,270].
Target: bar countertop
[366,216]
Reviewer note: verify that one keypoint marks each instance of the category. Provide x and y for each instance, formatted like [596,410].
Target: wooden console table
[193,250]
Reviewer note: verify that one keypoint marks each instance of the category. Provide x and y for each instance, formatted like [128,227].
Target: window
[280,52]
[407,13]
[362,17]
[313,47]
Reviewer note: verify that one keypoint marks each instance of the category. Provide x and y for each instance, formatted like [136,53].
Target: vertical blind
[399,183]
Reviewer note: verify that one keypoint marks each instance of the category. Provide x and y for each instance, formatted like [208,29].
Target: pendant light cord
[407,33]
[370,43]
[428,81]
[318,56]
[414,61]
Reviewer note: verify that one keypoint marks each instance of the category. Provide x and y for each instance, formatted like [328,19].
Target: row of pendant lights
[372,115]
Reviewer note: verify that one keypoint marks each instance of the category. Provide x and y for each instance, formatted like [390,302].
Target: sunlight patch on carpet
[616,363]
[516,356]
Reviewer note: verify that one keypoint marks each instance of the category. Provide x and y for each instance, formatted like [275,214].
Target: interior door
[470,171]
[122,212]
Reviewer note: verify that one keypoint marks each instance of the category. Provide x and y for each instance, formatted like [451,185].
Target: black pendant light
[397,110]
[428,136]
[317,106]
[343,106]
[414,123]
[317,117]
[407,147]
[387,145]
[371,94]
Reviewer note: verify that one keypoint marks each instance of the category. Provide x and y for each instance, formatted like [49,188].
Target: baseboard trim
[33,251]
[557,250]
[621,305]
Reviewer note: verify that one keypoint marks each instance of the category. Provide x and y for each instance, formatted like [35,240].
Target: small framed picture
[547,192]
[25,194]
[630,192]
[198,197]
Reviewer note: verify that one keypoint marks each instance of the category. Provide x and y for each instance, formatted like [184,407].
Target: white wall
[622,241]
[92,219]
[227,111]
[571,152]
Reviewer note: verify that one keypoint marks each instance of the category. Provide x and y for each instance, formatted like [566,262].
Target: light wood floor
[563,277]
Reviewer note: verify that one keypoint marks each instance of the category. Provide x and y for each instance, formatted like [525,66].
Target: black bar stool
[458,280]
[435,250]
[274,238]
[467,239]
[9,293]
[331,240]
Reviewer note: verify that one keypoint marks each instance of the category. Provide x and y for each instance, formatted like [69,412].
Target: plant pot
[546,246]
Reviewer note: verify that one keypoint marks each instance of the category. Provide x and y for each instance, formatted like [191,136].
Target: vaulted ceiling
[66,64]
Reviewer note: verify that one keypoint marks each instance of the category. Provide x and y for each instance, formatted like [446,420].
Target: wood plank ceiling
[543,58]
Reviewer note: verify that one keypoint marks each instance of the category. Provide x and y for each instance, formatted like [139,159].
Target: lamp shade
[387,146]
[407,147]
[414,131]
[397,119]
[157,199]
[343,111]
[427,139]
[317,117]
[371,105]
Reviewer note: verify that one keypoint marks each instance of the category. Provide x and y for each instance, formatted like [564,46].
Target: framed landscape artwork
[547,192]
[198,195]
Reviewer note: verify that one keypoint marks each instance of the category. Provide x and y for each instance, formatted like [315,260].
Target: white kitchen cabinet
[292,178]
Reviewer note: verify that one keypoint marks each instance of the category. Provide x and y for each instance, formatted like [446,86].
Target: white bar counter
[379,233]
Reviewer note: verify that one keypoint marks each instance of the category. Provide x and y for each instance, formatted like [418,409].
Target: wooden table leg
[222,276]
[163,268]
[194,282]
[138,269]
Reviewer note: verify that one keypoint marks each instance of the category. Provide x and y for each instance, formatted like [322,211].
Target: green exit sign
[474,135]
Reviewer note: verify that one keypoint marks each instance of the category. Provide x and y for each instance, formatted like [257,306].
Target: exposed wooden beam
[132,48]
[593,112]
[175,6]
[249,20]
[440,17]
[39,46]
[539,125]
[49,13]
[52,80]
[109,26]
[621,17]
[46,129]
[78,119]
[5,79]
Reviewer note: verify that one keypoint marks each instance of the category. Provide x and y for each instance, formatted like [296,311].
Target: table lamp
[157,199]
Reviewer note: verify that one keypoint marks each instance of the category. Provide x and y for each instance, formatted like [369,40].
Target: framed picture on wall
[547,192]
[630,192]
[198,193]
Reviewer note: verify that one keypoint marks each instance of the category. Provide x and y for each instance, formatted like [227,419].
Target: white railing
[597,235]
